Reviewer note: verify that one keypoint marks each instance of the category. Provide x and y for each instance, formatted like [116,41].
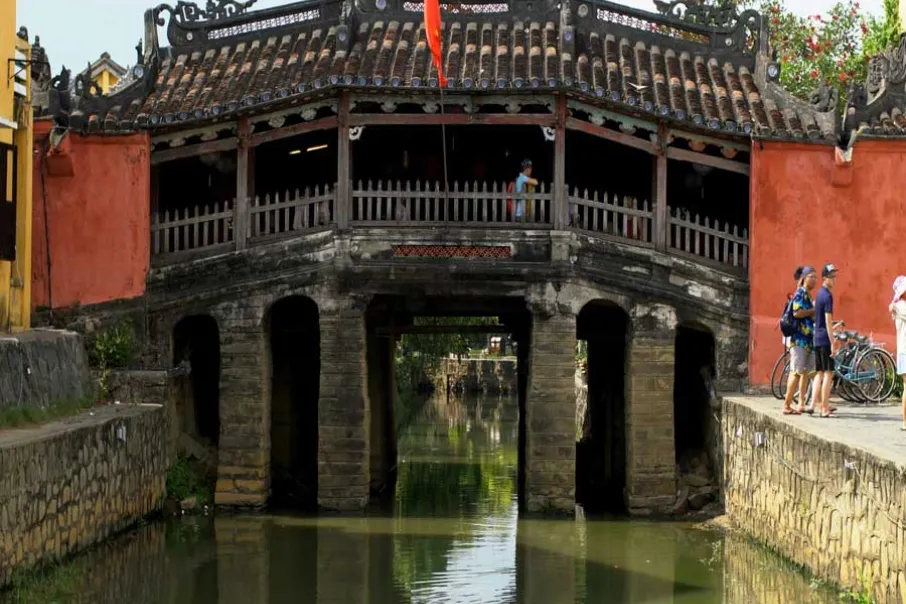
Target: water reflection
[453,537]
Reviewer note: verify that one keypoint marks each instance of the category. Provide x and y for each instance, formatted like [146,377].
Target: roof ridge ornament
[719,14]
[186,13]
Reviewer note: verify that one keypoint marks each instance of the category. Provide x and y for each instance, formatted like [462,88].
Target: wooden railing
[209,229]
[272,217]
[625,218]
[423,204]
[703,238]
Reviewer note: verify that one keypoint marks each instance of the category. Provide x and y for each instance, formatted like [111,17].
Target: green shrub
[188,478]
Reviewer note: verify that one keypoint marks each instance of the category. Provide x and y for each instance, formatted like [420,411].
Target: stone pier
[243,473]
[243,565]
[550,456]
[650,449]
[344,420]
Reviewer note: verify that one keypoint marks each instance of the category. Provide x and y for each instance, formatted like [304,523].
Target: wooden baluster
[745,249]
[735,247]
[454,201]
[155,234]
[491,216]
[418,203]
[201,239]
[687,235]
[436,201]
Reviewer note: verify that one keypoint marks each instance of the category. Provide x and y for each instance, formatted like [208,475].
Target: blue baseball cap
[808,270]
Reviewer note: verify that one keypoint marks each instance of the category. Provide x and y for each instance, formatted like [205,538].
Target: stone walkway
[10,437]
[873,428]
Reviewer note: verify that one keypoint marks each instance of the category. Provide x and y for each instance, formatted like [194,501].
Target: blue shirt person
[824,305]
[524,184]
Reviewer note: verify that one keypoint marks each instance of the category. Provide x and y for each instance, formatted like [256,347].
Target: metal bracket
[10,74]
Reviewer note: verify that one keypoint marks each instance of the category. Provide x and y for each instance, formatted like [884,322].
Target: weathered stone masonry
[833,508]
[244,457]
[67,486]
[550,458]
[650,453]
[344,420]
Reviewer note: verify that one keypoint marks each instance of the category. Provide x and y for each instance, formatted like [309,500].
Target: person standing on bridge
[525,184]
[824,341]
[898,313]
[802,357]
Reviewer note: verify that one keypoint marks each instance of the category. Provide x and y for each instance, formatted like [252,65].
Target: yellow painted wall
[106,80]
[15,277]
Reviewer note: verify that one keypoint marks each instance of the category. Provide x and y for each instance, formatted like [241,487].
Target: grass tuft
[19,416]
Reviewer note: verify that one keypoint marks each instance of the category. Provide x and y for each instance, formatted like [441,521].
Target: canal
[450,533]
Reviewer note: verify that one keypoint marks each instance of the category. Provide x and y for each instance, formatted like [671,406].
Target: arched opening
[196,341]
[295,363]
[695,426]
[602,330]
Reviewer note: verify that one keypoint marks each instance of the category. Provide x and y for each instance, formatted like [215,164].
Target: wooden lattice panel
[481,252]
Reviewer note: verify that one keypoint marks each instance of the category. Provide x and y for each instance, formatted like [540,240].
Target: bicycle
[864,371]
[781,371]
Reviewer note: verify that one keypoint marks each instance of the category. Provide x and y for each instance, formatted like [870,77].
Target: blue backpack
[788,323]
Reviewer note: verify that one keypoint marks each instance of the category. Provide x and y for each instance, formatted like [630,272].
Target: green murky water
[453,536]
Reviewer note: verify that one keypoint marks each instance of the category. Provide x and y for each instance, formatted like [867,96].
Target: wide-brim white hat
[899,287]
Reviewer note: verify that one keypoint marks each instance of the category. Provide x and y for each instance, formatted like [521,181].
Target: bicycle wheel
[778,385]
[870,378]
[890,373]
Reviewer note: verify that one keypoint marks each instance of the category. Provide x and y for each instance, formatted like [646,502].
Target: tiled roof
[880,107]
[698,74]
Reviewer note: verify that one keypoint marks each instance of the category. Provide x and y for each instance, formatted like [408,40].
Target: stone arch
[695,424]
[196,349]
[293,359]
[604,329]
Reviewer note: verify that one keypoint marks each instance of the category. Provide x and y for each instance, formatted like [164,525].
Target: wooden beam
[442,329]
[707,160]
[611,135]
[561,203]
[226,144]
[324,123]
[452,119]
[661,221]
[241,209]
[343,201]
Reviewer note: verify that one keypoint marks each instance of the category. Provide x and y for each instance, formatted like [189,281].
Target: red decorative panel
[488,252]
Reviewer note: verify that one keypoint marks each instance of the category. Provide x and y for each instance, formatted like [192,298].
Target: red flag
[433,33]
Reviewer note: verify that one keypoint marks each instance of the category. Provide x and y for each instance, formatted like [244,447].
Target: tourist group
[808,326]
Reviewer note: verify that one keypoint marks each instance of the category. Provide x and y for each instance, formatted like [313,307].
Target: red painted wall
[99,220]
[799,217]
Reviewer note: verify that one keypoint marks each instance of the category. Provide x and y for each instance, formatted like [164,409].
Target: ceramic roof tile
[675,78]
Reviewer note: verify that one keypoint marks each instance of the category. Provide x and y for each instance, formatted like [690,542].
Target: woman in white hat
[898,313]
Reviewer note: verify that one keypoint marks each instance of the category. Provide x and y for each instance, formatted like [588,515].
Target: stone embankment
[41,367]
[827,494]
[69,484]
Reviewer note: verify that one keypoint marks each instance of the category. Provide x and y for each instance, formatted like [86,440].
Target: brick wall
[67,486]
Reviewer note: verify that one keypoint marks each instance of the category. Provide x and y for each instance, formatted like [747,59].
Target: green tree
[883,32]
[818,47]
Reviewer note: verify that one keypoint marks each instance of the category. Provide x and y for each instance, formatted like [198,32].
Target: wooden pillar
[659,191]
[241,210]
[561,203]
[343,202]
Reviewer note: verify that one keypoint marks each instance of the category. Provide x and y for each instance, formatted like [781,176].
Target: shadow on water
[452,535]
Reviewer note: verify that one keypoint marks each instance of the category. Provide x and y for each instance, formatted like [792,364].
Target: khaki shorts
[802,360]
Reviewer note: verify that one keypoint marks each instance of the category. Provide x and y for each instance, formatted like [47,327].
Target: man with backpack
[798,322]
